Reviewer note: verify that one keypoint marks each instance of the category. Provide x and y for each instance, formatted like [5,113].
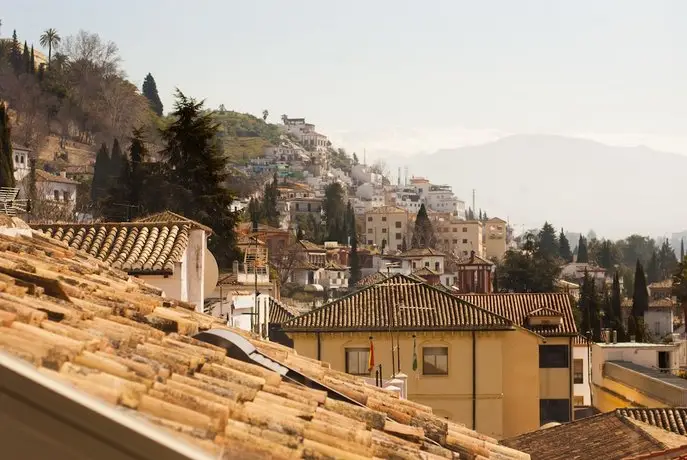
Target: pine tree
[198,171]
[586,302]
[15,54]
[101,173]
[423,233]
[667,262]
[616,308]
[6,154]
[548,243]
[564,247]
[606,256]
[653,271]
[640,296]
[582,255]
[149,90]
[117,162]
[334,213]
[32,69]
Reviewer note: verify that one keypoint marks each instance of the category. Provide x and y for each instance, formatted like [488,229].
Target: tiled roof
[137,248]
[425,271]
[280,312]
[415,306]
[669,418]
[608,436]
[544,312]
[86,325]
[665,284]
[422,252]
[44,176]
[331,265]
[376,277]
[580,341]
[168,217]
[387,210]
[659,303]
[474,260]
[310,246]
[518,306]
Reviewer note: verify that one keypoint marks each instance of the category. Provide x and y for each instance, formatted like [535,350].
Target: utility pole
[473,201]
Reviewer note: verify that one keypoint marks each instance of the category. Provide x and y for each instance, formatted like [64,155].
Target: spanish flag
[371,356]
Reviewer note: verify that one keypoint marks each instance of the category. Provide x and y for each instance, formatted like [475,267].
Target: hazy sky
[397,76]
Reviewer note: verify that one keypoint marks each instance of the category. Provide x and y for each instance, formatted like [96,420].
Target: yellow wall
[556,383]
[495,238]
[507,374]
[378,229]
[614,395]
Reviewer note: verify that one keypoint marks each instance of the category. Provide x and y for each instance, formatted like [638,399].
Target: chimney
[235,267]
[607,335]
[615,336]
[63,174]
[472,256]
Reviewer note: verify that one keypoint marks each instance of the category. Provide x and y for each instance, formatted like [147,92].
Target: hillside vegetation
[244,136]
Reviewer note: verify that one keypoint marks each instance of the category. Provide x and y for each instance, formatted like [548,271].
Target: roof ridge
[633,424]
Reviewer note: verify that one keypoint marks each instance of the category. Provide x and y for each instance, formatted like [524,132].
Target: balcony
[662,386]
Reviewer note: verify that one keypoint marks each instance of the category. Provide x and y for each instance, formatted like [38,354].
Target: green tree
[616,308]
[423,233]
[679,289]
[582,254]
[640,296]
[32,63]
[26,59]
[198,173]
[265,114]
[589,308]
[564,247]
[528,270]
[6,154]
[653,271]
[682,249]
[334,212]
[118,161]
[137,156]
[606,257]
[50,39]
[548,243]
[101,174]
[270,197]
[149,90]
[15,54]
[667,262]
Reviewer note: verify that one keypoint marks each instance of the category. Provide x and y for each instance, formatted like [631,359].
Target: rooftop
[422,252]
[82,324]
[608,436]
[517,307]
[387,210]
[44,176]
[401,302]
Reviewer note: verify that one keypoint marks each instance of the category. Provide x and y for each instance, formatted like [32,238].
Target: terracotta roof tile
[44,176]
[665,284]
[137,248]
[669,418]
[371,279]
[79,321]
[423,307]
[421,252]
[518,306]
[280,312]
[608,436]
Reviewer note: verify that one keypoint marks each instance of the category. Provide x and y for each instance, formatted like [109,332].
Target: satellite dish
[211,275]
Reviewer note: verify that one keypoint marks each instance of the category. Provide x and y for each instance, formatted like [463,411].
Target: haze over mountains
[573,183]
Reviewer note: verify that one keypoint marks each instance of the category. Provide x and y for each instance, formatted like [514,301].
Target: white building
[581,386]
[439,198]
[166,250]
[408,199]
[22,166]
[306,134]
[363,173]
[56,189]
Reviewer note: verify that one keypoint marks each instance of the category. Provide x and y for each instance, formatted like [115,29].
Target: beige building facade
[387,226]
[495,238]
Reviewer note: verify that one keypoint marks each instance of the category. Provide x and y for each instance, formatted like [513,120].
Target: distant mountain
[574,183]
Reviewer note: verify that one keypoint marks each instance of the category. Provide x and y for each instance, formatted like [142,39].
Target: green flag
[414,354]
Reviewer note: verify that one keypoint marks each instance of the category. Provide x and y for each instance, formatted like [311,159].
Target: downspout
[570,375]
[319,347]
[474,382]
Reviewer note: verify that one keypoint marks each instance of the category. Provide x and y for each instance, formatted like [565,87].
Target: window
[553,356]
[455,241]
[56,194]
[383,218]
[554,410]
[398,224]
[465,229]
[436,266]
[435,361]
[398,236]
[369,241]
[370,230]
[369,219]
[309,206]
[465,253]
[357,360]
[65,195]
[578,372]
[578,400]
[465,241]
[427,264]
[16,158]
[455,229]
[384,230]
[297,207]
[414,265]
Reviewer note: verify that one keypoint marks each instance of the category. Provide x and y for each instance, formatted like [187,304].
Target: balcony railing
[662,386]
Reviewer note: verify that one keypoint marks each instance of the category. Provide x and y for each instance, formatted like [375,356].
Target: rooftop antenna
[473,200]
[406,176]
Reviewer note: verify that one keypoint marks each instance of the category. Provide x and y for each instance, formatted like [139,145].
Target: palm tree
[265,114]
[51,39]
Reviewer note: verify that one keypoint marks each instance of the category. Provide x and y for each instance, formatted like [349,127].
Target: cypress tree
[149,90]
[269,202]
[423,233]
[15,54]
[32,68]
[667,262]
[117,162]
[334,213]
[586,304]
[640,296]
[354,260]
[6,154]
[137,155]
[26,59]
[653,272]
[582,255]
[564,247]
[682,250]
[101,173]
[616,307]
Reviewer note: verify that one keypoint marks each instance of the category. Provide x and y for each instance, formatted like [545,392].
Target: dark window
[383,218]
[435,361]
[369,219]
[436,266]
[465,229]
[309,206]
[578,371]
[553,356]
[357,361]
[369,241]
[56,193]
[398,225]
[399,236]
[465,241]
[554,410]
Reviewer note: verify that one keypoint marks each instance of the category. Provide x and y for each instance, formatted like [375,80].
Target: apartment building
[458,237]
[495,238]
[439,198]
[306,133]
[387,226]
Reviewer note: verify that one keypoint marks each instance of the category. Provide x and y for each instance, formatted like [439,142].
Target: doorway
[664,361]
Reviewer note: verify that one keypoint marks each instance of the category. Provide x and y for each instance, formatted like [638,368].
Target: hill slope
[575,183]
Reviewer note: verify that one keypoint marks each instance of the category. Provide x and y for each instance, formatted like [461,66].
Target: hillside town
[219,286]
